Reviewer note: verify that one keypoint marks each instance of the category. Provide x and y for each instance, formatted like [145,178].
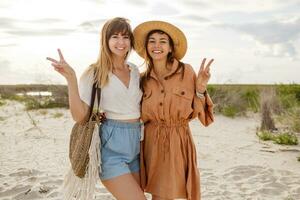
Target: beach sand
[233,163]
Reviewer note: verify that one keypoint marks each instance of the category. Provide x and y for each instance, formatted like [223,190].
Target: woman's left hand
[203,76]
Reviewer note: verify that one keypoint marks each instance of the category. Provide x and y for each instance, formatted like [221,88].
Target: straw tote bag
[81,137]
[85,155]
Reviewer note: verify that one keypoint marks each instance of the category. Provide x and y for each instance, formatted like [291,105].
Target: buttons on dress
[160,103]
[162,91]
[182,93]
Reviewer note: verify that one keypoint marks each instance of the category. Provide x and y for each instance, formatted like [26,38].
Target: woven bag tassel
[75,188]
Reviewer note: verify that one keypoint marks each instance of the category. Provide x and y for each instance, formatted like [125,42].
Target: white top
[117,101]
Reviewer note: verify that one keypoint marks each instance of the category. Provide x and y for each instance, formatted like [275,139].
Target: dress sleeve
[203,107]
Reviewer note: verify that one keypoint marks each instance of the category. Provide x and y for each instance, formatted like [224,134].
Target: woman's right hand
[62,66]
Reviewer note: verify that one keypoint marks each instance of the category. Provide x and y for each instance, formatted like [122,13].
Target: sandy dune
[234,164]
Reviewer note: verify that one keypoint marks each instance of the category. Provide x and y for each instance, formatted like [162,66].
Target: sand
[233,163]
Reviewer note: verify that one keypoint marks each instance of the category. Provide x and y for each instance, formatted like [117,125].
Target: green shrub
[265,135]
[33,103]
[20,98]
[229,111]
[43,112]
[286,139]
[251,97]
[58,115]
[289,95]
[281,138]
[2,102]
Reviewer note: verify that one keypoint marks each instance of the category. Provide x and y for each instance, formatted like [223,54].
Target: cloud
[273,31]
[6,22]
[8,45]
[47,20]
[4,66]
[92,26]
[137,2]
[195,4]
[276,50]
[39,32]
[16,27]
[211,7]
[163,9]
[195,18]
[273,38]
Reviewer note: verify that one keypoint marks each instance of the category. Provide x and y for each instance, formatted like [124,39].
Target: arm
[202,103]
[78,108]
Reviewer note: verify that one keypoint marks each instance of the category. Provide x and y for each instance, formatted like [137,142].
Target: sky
[252,42]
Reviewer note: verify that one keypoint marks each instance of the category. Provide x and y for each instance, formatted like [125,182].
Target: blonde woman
[120,100]
[173,96]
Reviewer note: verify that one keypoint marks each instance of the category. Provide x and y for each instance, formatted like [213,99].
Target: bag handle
[98,90]
[92,101]
[95,90]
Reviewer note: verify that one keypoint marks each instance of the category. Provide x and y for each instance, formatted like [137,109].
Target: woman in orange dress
[173,96]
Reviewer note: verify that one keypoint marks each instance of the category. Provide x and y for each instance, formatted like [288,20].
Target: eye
[114,36]
[151,41]
[126,36]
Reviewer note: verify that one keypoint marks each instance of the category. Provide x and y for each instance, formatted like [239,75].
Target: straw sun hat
[178,37]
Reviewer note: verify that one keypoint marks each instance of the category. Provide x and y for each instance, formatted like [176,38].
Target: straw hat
[178,37]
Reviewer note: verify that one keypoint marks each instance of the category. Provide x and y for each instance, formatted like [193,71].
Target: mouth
[157,51]
[120,48]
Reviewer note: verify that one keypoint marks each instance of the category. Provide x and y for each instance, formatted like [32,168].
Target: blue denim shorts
[120,148]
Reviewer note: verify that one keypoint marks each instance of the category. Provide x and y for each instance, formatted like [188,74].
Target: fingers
[57,65]
[207,68]
[202,66]
[60,55]
[52,60]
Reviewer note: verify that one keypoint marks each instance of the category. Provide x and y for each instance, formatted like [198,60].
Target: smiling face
[119,44]
[158,46]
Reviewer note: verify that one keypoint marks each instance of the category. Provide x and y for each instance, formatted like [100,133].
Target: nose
[156,44]
[121,40]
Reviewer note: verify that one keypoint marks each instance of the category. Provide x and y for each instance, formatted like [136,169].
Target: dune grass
[229,99]
[279,138]
[2,102]
[59,98]
[58,115]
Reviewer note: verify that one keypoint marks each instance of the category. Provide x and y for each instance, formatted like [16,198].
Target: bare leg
[136,176]
[158,198]
[124,187]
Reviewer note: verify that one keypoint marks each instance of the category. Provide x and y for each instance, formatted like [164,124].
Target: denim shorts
[120,148]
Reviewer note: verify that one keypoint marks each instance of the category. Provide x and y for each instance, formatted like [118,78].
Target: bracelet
[200,94]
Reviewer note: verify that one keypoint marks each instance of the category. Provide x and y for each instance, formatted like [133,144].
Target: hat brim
[141,31]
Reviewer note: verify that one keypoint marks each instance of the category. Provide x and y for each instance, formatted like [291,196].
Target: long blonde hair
[104,64]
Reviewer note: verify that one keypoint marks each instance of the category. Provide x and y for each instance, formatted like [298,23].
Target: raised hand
[62,66]
[203,76]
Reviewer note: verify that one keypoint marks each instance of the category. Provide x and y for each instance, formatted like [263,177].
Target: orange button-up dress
[168,154]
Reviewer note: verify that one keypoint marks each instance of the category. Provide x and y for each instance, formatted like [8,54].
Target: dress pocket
[184,93]
[181,102]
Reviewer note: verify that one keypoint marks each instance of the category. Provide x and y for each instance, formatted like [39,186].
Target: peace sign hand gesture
[203,76]
[62,66]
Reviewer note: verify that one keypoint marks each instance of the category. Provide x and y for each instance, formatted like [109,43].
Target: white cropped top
[117,101]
